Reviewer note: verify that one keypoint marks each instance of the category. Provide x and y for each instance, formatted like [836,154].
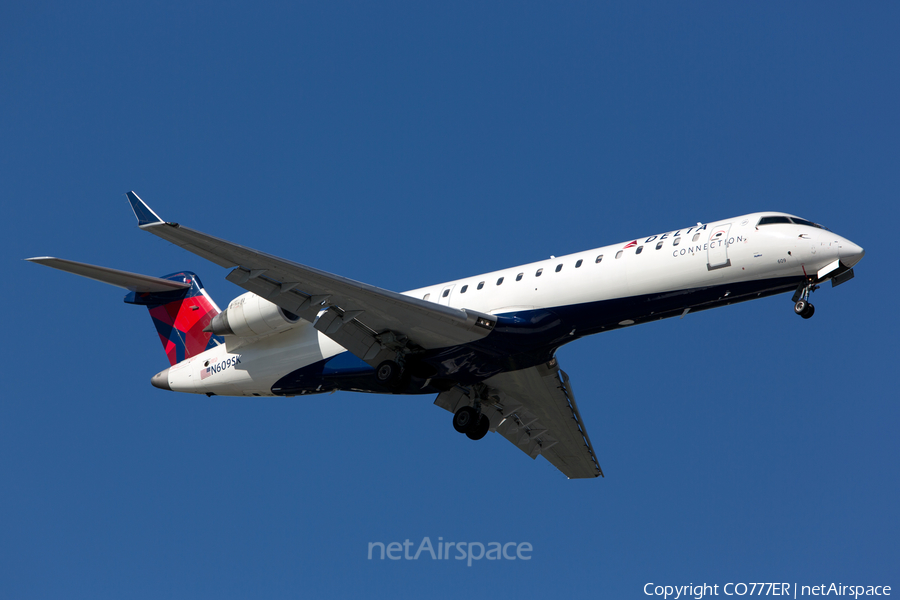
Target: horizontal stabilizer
[123,279]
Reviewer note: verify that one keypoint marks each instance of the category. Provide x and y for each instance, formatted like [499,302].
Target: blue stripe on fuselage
[344,363]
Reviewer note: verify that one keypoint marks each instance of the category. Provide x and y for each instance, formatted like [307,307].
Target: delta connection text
[794,590]
[442,550]
[692,250]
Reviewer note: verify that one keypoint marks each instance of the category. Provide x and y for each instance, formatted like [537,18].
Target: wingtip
[144,213]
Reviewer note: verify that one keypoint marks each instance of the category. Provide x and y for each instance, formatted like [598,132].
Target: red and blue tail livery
[180,316]
[178,304]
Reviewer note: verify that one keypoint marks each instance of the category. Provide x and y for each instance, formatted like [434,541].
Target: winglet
[144,213]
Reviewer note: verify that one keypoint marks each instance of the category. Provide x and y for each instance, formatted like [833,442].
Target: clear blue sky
[404,145]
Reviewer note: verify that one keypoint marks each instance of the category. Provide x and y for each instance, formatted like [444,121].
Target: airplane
[486,344]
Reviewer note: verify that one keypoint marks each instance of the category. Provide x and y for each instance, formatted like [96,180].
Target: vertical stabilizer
[180,316]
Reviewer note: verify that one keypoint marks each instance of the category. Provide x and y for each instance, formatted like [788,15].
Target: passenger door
[717,250]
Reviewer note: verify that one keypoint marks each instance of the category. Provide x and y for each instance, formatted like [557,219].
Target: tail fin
[178,304]
[180,316]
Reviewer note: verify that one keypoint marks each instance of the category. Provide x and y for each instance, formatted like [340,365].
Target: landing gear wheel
[465,420]
[480,430]
[388,374]
[802,305]
[804,309]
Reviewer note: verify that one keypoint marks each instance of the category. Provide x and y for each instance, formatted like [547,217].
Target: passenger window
[559,267]
[539,271]
[463,290]
[639,250]
[619,254]
[480,285]
[578,264]
[519,276]
[659,245]
[599,258]
[446,293]
[677,241]
[427,296]
[499,281]
[696,236]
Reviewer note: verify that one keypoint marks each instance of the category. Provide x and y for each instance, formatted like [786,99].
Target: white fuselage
[733,251]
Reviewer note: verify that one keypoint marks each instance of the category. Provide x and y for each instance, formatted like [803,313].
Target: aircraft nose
[161,380]
[851,253]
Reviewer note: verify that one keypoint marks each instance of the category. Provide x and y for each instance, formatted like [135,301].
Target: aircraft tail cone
[161,380]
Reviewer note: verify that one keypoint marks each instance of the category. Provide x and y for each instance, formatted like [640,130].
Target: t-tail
[179,306]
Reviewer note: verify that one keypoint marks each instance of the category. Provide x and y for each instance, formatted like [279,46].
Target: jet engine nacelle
[248,315]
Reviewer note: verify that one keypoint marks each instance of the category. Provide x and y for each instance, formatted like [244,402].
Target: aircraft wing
[362,318]
[535,409]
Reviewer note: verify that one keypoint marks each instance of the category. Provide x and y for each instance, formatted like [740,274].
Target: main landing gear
[390,375]
[802,305]
[471,422]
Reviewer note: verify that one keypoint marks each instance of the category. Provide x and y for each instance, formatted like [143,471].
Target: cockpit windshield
[779,219]
[799,221]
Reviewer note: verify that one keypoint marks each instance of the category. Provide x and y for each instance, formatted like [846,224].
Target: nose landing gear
[804,308]
[802,305]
